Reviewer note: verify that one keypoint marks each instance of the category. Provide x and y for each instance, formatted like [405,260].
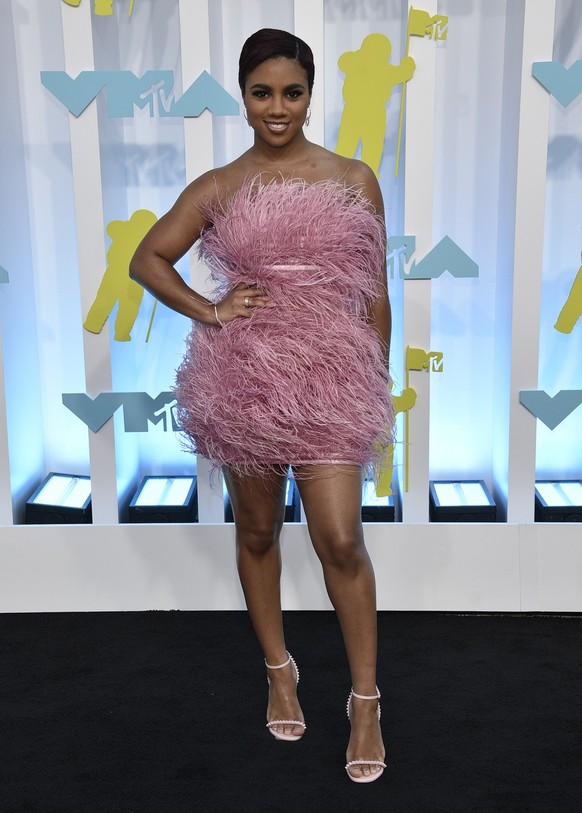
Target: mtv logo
[139,409]
[125,91]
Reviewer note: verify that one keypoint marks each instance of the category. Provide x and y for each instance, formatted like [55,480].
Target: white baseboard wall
[437,567]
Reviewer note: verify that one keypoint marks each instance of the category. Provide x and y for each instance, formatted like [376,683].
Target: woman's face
[276,98]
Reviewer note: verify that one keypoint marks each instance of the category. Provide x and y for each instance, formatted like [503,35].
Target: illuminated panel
[558,501]
[165,499]
[64,490]
[60,499]
[164,491]
[461,501]
[459,494]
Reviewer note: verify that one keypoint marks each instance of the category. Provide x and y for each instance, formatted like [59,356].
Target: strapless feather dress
[304,382]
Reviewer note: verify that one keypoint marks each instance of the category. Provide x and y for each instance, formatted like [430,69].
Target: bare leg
[332,501]
[258,505]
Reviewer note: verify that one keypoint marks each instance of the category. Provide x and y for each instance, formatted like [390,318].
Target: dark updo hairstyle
[269,43]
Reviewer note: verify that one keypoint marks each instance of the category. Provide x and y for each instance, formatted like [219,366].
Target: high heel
[273,723]
[361,762]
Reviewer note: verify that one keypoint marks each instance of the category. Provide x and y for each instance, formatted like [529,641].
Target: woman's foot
[365,753]
[284,716]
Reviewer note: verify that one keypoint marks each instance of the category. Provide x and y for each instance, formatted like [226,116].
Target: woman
[288,365]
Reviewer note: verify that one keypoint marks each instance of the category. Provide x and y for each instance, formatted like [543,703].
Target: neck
[291,152]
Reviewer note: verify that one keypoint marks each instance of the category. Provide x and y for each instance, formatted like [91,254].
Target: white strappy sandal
[272,724]
[362,762]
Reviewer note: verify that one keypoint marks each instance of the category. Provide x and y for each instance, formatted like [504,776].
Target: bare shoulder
[352,172]
[217,186]
[206,191]
[361,176]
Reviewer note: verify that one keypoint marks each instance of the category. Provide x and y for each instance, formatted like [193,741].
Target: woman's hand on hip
[241,301]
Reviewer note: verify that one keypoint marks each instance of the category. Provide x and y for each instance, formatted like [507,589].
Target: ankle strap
[280,665]
[367,696]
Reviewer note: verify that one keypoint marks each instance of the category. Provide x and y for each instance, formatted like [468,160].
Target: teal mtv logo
[445,256]
[140,410]
[551,409]
[125,91]
[564,84]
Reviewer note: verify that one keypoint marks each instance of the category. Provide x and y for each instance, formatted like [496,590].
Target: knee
[343,550]
[256,537]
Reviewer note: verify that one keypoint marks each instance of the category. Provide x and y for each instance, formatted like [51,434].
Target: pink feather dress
[304,382]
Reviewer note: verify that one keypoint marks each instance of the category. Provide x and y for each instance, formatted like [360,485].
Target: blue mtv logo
[125,91]
[140,410]
[445,256]
[565,84]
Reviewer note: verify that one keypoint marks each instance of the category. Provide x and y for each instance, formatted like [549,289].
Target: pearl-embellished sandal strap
[366,762]
[279,666]
[286,722]
[367,696]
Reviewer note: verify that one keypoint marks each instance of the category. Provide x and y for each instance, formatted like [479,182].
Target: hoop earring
[308,117]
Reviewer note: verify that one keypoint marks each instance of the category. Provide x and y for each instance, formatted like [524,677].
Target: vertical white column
[6,517]
[418,205]
[199,157]
[308,22]
[538,36]
[505,244]
[86,165]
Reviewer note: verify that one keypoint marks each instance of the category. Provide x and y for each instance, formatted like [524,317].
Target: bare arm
[380,317]
[167,241]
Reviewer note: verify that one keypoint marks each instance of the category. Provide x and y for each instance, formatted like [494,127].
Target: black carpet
[164,712]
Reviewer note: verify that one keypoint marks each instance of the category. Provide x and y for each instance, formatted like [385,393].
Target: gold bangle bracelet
[218,317]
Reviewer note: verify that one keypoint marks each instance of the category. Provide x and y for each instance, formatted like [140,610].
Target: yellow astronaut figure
[402,403]
[116,285]
[103,8]
[572,309]
[367,88]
